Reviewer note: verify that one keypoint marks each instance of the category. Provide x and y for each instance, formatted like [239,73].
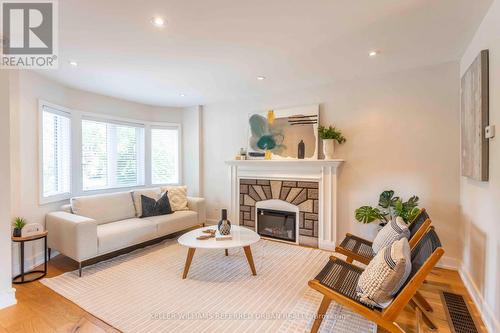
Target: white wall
[191,154]
[402,133]
[29,87]
[6,291]
[480,200]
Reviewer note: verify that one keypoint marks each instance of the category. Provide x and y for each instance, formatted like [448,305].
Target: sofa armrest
[198,205]
[73,235]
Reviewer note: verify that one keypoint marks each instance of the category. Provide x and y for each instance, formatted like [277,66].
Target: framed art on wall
[474,108]
[290,133]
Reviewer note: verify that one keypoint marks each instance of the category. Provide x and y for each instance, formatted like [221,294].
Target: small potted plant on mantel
[329,135]
[389,207]
[18,224]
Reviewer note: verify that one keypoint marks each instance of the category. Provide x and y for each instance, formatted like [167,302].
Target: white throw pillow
[385,274]
[177,195]
[391,232]
[154,193]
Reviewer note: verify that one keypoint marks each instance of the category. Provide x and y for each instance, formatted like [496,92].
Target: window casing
[55,154]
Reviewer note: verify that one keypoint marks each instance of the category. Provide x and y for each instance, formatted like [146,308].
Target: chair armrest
[73,235]
[198,205]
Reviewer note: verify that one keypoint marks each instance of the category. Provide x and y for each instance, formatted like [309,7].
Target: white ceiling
[213,50]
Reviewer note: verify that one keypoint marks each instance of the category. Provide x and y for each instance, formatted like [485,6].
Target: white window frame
[63,112]
[76,176]
[177,127]
[142,150]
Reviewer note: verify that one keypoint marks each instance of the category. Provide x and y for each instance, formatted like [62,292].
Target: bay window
[81,152]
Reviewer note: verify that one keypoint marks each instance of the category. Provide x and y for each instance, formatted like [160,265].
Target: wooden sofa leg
[420,299]
[79,269]
[325,303]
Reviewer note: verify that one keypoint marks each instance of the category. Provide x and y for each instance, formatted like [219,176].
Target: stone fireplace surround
[302,194]
[319,229]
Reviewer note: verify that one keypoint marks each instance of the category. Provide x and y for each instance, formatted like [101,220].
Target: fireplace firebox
[277,224]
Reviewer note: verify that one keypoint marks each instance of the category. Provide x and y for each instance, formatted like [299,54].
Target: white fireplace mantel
[325,172]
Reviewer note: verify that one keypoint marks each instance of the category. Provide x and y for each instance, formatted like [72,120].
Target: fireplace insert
[277,224]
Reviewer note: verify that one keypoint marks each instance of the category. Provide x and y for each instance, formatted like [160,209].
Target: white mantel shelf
[335,162]
[325,172]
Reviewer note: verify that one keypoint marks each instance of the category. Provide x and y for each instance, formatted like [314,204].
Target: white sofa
[95,225]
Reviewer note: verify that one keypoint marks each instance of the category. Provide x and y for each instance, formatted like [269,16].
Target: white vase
[328,148]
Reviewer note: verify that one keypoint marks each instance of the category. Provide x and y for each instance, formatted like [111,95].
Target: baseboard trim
[487,315]
[7,297]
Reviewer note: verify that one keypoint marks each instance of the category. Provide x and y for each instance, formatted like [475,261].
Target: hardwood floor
[40,309]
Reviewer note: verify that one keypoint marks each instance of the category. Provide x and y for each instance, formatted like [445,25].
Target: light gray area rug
[143,291]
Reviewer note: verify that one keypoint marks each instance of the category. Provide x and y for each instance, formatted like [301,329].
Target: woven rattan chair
[359,249]
[337,282]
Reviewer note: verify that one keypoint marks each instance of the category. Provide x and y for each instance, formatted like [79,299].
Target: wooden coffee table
[242,237]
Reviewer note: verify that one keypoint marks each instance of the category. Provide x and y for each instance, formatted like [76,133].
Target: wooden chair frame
[352,256]
[386,317]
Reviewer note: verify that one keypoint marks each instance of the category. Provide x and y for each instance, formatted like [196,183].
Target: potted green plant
[389,207]
[329,135]
[18,224]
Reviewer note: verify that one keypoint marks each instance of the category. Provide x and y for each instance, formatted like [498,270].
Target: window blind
[112,155]
[164,155]
[56,152]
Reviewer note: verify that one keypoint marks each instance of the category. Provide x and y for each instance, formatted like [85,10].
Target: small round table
[241,237]
[18,279]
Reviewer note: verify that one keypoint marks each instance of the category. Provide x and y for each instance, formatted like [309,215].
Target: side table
[21,278]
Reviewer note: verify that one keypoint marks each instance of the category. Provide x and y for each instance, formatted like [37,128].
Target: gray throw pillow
[151,207]
[391,232]
[385,274]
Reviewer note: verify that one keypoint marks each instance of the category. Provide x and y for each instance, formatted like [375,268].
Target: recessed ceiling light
[73,63]
[373,53]
[158,21]
[261,78]
[182,95]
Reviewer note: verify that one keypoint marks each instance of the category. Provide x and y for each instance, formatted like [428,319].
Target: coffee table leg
[227,252]
[248,253]
[188,262]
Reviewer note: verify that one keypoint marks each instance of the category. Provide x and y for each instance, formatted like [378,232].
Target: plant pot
[17,232]
[328,148]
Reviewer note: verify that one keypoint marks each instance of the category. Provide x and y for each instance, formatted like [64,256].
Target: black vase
[17,232]
[224,225]
[301,150]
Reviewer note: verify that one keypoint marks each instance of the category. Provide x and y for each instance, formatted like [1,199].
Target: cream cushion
[177,195]
[118,235]
[385,274]
[177,221]
[391,232]
[154,193]
[104,208]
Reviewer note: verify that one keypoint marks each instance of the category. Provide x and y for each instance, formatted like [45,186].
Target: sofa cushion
[177,195]
[104,208]
[153,193]
[117,235]
[168,224]
[391,232]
